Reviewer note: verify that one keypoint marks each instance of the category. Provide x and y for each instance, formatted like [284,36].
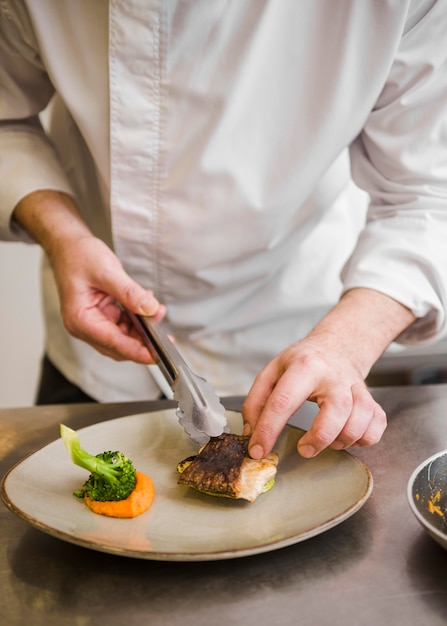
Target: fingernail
[256,452]
[338,445]
[247,429]
[307,451]
[147,306]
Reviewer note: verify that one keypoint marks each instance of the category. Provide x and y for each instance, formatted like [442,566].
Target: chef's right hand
[89,277]
[91,281]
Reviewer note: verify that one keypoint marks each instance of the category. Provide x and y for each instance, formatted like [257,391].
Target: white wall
[21,326]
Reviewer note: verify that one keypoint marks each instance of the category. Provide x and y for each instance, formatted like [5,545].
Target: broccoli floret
[112,474]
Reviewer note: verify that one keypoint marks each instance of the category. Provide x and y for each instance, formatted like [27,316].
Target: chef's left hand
[329,366]
[308,371]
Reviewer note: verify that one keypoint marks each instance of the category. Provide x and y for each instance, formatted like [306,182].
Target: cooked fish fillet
[223,468]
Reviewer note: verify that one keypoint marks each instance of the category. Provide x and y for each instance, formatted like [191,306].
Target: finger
[112,311]
[120,347]
[334,412]
[106,329]
[257,396]
[284,399]
[375,429]
[362,415]
[130,294]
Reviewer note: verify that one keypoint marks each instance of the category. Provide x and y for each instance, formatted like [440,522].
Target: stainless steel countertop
[378,567]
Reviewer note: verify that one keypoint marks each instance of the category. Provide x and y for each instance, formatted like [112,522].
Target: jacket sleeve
[400,159]
[28,161]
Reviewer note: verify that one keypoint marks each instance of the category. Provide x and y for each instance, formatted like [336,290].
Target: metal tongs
[200,411]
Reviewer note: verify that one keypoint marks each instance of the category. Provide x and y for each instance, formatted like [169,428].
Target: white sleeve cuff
[28,163]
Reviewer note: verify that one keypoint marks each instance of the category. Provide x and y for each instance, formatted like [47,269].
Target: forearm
[362,325]
[51,219]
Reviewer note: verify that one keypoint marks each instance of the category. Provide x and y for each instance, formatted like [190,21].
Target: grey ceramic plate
[427,495]
[309,497]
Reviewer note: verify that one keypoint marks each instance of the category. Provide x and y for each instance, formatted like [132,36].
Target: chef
[270,177]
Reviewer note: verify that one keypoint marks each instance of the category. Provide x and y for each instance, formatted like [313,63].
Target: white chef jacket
[206,142]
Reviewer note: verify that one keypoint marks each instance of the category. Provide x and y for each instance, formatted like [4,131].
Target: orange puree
[136,503]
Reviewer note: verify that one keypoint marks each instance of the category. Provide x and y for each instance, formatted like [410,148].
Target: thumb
[133,297]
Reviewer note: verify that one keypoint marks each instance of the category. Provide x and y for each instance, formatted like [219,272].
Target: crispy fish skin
[223,467]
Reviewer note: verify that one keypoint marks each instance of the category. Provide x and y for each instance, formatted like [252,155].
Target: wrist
[362,325]
[51,218]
